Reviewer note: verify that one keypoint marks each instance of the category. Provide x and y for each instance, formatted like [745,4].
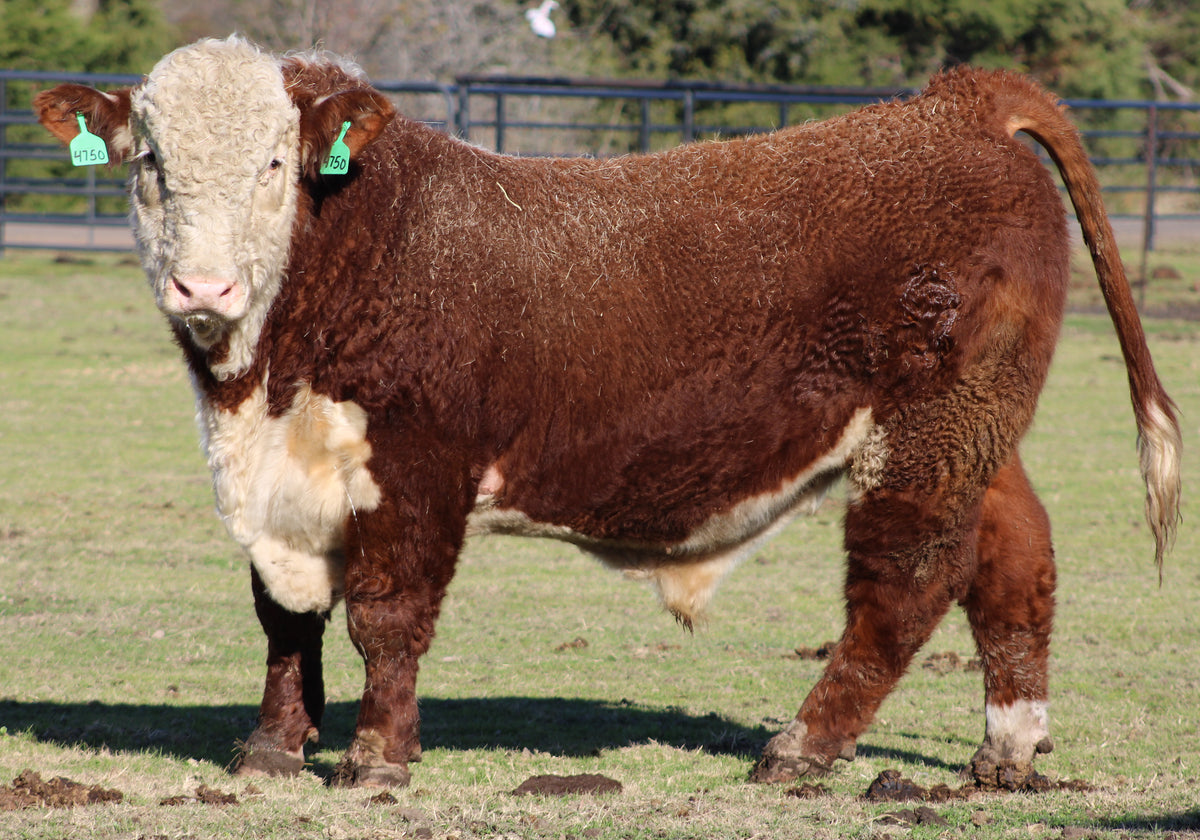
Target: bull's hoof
[773,770]
[266,762]
[785,759]
[993,770]
[1001,775]
[349,773]
[364,764]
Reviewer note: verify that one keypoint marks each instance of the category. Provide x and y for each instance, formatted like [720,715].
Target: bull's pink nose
[197,293]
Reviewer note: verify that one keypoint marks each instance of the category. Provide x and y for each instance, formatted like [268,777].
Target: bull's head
[219,138]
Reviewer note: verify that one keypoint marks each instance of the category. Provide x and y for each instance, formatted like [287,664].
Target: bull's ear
[367,111]
[106,115]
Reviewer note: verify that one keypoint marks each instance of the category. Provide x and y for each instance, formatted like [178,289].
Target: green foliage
[124,36]
[1080,48]
[1174,43]
[38,35]
[804,41]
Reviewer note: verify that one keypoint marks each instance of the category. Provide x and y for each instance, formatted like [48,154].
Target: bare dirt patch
[578,643]
[807,791]
[924,815]
[551,785]
[891,786]
[29,790]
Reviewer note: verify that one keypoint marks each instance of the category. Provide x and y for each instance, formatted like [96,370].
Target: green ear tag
[87,149]
[338,162]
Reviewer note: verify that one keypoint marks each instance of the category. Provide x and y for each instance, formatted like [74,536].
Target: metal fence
[1147,153]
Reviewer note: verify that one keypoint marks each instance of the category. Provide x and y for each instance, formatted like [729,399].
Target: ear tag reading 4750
[87,149]
[338,162]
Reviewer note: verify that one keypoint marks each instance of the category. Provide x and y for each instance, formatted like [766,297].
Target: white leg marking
[1015,731]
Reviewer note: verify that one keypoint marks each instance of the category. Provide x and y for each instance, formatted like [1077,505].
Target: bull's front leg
[400,559]
[294,696]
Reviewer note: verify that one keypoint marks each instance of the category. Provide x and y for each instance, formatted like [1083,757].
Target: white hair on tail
[1159,448]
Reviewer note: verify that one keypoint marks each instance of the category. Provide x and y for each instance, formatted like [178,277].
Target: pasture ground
[130,658]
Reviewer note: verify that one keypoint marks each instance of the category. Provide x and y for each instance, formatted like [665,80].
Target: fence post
[689,116]
[463,118]
[3,160]
[1151,189]
[644,128]
[500,123]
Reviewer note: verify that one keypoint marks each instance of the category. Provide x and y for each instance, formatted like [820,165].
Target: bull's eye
[148,178]
[267,174]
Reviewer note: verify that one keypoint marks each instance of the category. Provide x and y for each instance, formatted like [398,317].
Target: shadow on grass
[1185,823]
[561,726]
[909,757]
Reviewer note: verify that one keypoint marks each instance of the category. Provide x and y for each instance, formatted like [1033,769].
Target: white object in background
[539,19]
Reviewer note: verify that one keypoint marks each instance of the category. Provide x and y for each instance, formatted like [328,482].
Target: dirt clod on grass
[923,815]
[949,662]
[891,786]
[807,791]
[817,654]
[205,796]
[28,790]
[551,785]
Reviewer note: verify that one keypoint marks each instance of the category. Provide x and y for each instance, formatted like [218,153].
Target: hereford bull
[657,358]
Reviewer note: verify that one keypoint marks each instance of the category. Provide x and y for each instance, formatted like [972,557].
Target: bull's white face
[213,185]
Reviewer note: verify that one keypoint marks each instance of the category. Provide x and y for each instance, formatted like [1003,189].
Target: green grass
[130,656]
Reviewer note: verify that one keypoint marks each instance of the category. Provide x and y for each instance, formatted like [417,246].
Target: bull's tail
[1027,108]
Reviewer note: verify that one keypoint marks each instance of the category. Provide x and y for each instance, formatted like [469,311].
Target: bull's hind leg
[900,583]
[1010,604]
[911,532]
[294,696]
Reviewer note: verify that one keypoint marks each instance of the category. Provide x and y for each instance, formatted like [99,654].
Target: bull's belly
[686,572]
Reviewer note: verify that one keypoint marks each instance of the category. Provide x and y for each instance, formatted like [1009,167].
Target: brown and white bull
[657,358]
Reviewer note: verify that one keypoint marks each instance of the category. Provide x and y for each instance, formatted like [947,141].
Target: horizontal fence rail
[1147,153]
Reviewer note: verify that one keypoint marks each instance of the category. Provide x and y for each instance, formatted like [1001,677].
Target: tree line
[1078,48]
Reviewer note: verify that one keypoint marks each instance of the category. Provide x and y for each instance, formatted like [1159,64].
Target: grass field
[130,657]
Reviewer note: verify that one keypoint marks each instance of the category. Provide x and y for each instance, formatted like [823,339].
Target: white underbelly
[686,573]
